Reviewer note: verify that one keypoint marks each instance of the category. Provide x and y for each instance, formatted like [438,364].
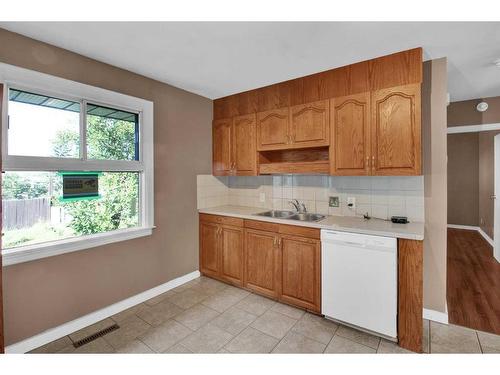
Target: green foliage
[40,232]
[111,140]
[22,186]
[66,143]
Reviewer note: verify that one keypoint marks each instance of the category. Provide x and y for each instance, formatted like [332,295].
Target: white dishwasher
[359,280]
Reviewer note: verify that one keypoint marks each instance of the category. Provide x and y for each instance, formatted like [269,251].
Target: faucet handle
[304,207]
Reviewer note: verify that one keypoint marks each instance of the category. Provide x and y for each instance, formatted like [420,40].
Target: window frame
[32,81]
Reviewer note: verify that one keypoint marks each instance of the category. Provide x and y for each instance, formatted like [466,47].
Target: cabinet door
[209,249]
[309,124]
[261,259]
[244,145]
[396,131]
[232,254]
[272,129]
[300,272]
[350,135]
[221,139]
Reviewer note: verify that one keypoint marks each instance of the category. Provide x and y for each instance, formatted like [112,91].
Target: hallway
[473,282]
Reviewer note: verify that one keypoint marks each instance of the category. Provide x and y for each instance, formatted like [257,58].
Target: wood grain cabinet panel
[309,125]
[231,248]
[396,131]
[350,135]
[222,147]
[209,249]
[244,145]
[272,129]
[261,262]
[300,272]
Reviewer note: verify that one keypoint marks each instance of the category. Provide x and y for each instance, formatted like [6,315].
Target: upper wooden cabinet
[350,135]
[221,144]
[309,125]
[396,131]
[234,150]
[273,129]
[244,155]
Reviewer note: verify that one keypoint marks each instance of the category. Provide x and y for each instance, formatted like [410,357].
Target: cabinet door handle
[274,241]
[279,242]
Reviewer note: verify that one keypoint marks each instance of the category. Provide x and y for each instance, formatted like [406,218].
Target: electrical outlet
[351,203]
[262,197]
[333,201]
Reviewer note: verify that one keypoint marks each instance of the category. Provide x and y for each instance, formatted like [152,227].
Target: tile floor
[207,316]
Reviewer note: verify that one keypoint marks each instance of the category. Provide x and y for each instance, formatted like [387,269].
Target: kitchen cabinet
[309,125]
[350,153]
[222,149]
[273,129]
[300,272]
[396,131]
[244,150]
[222,248]
[261,262]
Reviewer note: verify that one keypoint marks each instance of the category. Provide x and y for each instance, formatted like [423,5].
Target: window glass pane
[43,126]
[112,134]
[33,213]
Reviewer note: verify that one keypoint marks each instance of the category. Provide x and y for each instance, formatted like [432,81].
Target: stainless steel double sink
[290,215]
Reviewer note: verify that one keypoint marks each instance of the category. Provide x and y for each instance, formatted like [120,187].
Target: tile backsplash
[380,197]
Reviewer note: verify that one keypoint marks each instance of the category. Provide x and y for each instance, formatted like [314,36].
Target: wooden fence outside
[23,213]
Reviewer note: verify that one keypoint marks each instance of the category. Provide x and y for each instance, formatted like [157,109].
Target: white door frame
[496,200]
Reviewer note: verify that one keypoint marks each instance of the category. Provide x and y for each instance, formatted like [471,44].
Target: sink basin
[306,217]
[280,214]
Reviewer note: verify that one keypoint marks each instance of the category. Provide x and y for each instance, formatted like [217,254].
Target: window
[47,135]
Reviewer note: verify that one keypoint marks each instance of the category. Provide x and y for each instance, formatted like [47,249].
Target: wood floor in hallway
[473,282]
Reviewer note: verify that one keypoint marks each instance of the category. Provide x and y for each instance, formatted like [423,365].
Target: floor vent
[96,335]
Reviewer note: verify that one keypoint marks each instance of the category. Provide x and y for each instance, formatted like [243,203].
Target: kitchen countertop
[376,227]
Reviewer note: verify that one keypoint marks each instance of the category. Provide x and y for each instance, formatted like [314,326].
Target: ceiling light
[481,107]
[497,63]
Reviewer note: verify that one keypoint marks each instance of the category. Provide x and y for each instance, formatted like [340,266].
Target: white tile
[287,192]
[335,211]
[362,209]
[277,204]
[308,193]
[321,194]
[380,211]
[322,207]
[380,183]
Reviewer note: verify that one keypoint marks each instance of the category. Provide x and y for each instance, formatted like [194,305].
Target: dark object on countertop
[399,219]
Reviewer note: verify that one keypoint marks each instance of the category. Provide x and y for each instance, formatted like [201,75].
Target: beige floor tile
[389,347]
[316,328]
[165,335]
[274,324]
[290,311]
[160,298]
[54,346]
[296,343]
[178,349]
[453,339]
[196,317]
[342,345]
[223,300]
[487,350]
[208,339]
[224,351]
[90,330]
[252,341]
[130,329]
[98,346]
[358,336]
[125,314]
[159,313]
[489,340]
[135,347]
[426,339]
[210,286]
[255,304]
[234,320]
[187,298]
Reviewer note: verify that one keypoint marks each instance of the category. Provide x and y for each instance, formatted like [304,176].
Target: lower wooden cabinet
[209,248]
[300,272]
[261,262]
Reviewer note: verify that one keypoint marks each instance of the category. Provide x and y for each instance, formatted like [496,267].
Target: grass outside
[40,232]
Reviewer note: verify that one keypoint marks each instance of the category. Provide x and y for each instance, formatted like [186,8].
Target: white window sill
[44,250]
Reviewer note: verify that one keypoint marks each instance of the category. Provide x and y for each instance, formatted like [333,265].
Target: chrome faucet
[300,207]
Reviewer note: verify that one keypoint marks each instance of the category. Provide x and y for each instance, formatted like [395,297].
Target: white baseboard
[436,316]
[65,329]
[478,229]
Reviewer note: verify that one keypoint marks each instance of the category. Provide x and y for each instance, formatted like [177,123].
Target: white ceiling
[218,59]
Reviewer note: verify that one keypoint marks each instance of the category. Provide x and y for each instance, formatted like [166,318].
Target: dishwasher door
[359,280]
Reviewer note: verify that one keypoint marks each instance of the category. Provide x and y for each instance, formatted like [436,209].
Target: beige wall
[463,179]
[434,97]
[45,293]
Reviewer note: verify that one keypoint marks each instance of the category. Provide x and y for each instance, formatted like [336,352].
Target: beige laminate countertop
[376,227]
